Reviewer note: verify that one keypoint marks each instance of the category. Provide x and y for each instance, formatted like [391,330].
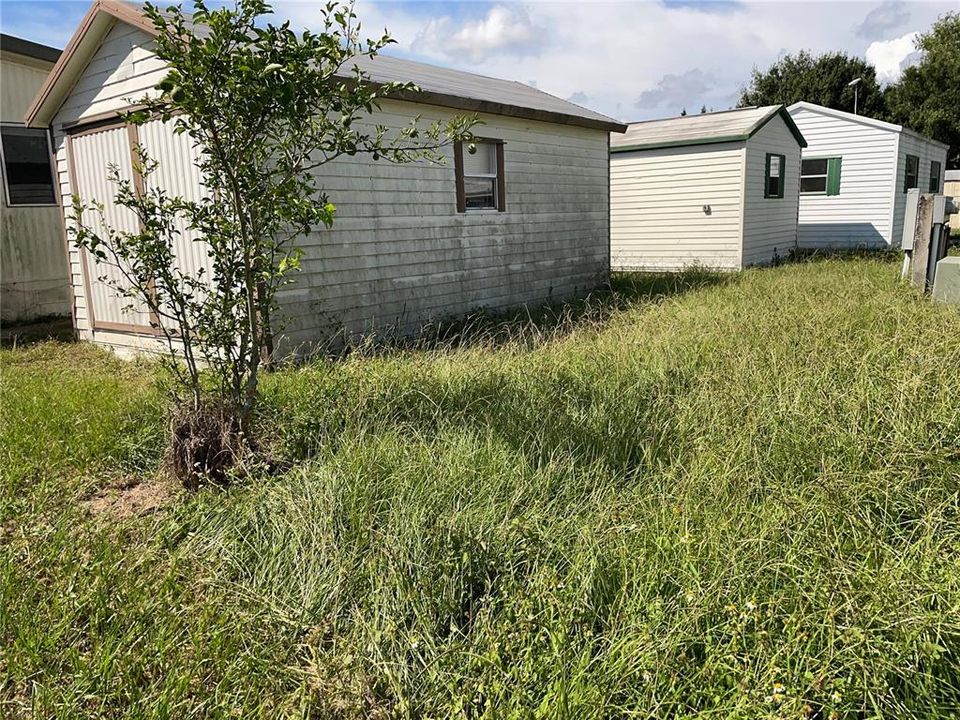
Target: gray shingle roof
[482,93]
[706,128]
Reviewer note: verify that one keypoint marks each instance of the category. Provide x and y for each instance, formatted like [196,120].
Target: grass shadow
[49,328]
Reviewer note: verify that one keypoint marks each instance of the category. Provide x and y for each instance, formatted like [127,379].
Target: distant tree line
[925,99]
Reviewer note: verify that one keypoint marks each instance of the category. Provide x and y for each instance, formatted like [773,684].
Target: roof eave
[40,112]
[780,111]
[679,143]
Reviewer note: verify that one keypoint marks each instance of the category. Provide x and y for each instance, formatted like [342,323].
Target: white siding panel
[657,200]
[121,72]
[860,215]
[770,224]
[399,254]
[93,155]
[927,151]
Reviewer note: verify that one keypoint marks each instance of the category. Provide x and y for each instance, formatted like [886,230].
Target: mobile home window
[773,181]
[25,153]
[480,177]
[911,173]
[934,186]
[820,176]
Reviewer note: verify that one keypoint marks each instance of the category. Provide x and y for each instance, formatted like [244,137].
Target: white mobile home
[33,252]
[507,226]
[715,190]
[855,176]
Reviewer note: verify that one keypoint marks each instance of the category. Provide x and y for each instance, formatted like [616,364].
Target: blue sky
[631,60]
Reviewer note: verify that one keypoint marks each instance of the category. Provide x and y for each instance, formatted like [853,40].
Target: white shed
[410,242]
[715,190]
[855,175]
[33,253]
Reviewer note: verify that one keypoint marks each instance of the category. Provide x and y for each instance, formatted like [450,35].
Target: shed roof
[702,129]
[861,119]
[28,48]
[439,86]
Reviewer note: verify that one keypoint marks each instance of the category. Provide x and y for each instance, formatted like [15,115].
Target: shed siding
[33,259]
[657,201]
[399,254]
[927,151]
[860,216]
[770,224]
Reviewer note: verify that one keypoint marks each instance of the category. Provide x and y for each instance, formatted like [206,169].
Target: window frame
[934,187]
[500,190]
[832,173]
[50,165]
[782,177]
[906,172]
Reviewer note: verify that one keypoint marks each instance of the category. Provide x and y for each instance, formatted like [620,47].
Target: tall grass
[717,497]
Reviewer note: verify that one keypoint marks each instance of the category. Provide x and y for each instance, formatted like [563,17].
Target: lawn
[717,497]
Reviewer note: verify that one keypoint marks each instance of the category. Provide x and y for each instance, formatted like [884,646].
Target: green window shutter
[833,176]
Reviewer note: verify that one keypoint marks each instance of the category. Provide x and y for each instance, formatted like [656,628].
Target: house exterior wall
[658,198]
[860,215]
[399,254]
[951,187]
[770,224]
[33,264]
[927,151]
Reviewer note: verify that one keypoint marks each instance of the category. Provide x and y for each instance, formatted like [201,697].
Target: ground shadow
[51,328]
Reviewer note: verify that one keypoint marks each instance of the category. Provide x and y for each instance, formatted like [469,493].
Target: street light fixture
[855,84]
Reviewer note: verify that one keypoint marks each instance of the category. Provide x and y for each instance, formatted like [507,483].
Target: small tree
[266,107]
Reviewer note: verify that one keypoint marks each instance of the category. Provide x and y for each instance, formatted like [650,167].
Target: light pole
[855,84]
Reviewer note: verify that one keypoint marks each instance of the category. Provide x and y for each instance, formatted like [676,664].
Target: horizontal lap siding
[927,152]
[657,220]
[399,255]
[770,224]
[859,216]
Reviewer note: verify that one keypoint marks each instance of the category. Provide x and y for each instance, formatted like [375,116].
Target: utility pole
[855,84]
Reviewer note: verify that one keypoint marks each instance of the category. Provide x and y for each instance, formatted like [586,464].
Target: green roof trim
[780,111]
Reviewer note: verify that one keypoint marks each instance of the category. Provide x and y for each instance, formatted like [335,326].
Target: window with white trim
[28,177]
[820,176]
[480,176]
[934,185]
[773,177]
[911,172]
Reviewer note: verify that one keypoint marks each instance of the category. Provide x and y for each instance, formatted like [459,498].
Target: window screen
[820,176]
[773,183]
[934,186]
[26,166]
[480,176]
[911,173]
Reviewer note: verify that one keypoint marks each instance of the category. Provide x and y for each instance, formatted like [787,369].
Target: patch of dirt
[131,498]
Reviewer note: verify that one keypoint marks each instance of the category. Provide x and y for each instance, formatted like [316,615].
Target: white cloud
[503,29]
[611,52]
[891,57]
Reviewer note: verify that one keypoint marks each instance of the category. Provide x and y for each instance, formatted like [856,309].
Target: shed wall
[658,201]
[399,254]
[770,224]
[927,151]
[33,263]
[860,215]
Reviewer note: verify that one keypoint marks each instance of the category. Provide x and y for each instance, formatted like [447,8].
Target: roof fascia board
[680,143]
[780,111]
[132,16]
[112,8]
[28,49]
[841,115]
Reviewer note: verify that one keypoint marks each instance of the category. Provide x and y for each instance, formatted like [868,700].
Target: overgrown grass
[703,496]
